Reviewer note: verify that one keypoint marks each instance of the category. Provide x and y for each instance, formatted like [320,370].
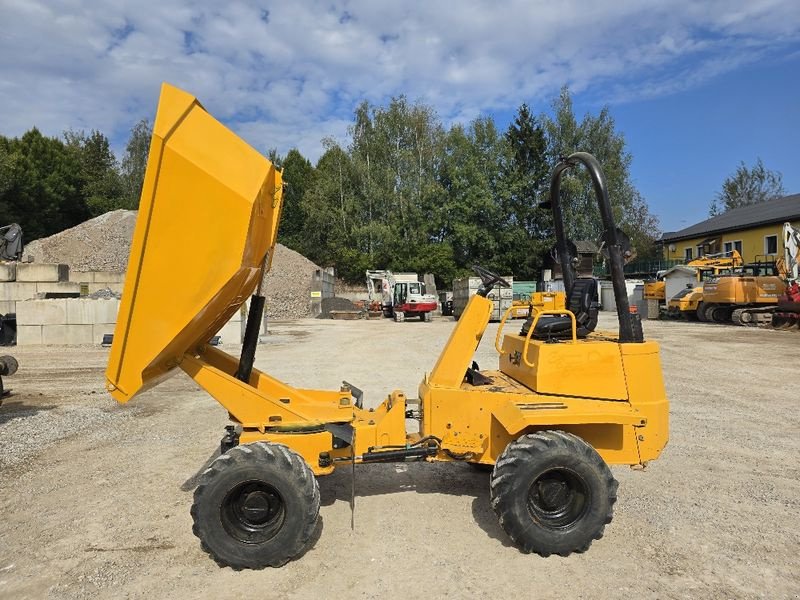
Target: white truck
[401,295]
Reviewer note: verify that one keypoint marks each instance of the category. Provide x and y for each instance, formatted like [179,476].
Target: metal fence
[639,268]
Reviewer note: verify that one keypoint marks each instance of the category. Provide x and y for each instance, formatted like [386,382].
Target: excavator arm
[789,267]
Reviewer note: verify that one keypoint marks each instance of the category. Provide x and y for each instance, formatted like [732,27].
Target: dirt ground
[95,497]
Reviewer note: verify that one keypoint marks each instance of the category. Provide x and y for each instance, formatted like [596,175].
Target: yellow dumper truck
[565,403]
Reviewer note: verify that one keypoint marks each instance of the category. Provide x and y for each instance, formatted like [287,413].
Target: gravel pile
[105,294]
[103,244]
[99,244]
[335,303]
[287,286]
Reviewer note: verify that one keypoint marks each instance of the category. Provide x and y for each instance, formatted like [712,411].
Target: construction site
[609,429]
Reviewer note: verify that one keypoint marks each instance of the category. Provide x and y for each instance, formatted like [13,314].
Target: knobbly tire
[552,493]
[256,506]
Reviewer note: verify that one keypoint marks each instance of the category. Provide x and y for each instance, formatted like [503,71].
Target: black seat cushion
[582,301]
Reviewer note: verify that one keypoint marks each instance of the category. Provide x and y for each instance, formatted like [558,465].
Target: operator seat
[582,302]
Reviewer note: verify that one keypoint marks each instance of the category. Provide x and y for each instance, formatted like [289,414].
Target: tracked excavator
[565,403]
[762,293]
[689,303]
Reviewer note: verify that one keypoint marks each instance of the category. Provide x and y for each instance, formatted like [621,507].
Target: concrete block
[90,311]
[652,309]
[7,306]
[58,287]
[13,291]
[8,271]
[81,276]
[42,272]
[232,332]
[99,330]
[114,287]
[42,312]
[29,335]
[108,277]
[67,334]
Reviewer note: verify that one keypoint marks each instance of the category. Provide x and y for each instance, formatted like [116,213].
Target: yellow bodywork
[538,301]
[655,290]
[744,290]
[208,216]
[206,228]
[686,301]
[610,394]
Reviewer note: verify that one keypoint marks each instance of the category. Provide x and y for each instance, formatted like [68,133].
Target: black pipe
[567,270]
[254,317]
[399,455]
[626,332]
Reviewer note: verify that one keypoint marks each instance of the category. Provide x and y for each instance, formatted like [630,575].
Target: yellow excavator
[688,303]
[537,302]
[763,293]
[565,403]
[747,296]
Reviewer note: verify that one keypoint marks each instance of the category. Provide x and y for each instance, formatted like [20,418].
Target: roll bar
[626,332]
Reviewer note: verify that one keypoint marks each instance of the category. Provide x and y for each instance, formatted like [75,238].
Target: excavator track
[786,316]
[753,317]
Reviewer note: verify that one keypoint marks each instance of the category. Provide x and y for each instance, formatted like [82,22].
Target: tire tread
[506,472]
[271,455]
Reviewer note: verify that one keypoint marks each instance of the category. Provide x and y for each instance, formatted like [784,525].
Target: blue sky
[696,87]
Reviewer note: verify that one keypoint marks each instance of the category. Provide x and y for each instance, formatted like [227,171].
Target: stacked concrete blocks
[99,280]
[39,272]
[65,320]
[22,281]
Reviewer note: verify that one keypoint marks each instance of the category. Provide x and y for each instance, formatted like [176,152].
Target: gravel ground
[95,497]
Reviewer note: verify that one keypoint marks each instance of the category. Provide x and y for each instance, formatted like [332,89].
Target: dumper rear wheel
[552,493]
[256,506]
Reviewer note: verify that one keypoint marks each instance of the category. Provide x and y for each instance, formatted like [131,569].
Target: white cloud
[286,74]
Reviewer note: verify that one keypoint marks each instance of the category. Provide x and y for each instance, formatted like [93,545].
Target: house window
[687,254]
[771,244]
[729,247]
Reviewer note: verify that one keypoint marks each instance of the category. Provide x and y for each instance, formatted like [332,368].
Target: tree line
[409,194]
[48,184]
[403,192]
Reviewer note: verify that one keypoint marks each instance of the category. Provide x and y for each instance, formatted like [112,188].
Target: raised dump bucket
[208,217]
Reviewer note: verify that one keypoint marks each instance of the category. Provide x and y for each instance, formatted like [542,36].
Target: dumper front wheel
[552,493]
[256,506]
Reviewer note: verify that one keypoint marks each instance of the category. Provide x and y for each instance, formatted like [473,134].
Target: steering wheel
[488,280]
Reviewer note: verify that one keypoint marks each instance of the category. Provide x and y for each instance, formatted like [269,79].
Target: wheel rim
[253,512]
[558,498]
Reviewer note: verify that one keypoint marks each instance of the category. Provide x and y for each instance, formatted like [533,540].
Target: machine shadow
[11,409]
[455,479]
[191,483]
